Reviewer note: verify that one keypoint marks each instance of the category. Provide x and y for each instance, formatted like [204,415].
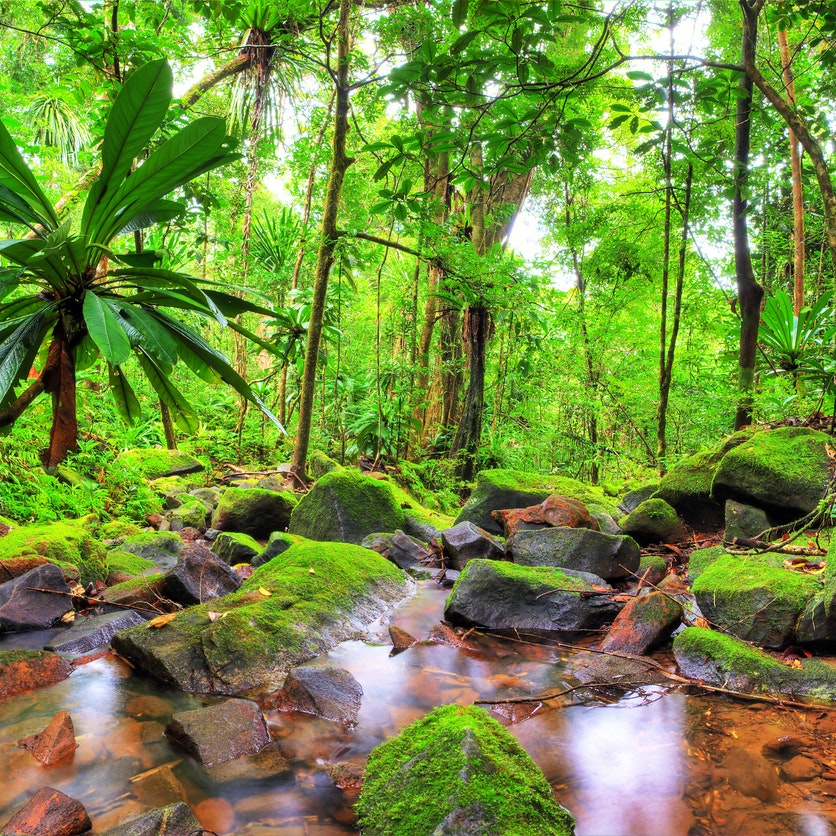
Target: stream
[640,763]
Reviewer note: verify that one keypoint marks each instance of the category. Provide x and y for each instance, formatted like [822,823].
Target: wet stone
[800,768]
[268,764]
[466,541]
[199,575]
[48,813]
[22,607]
[56,743]
[23,670]
[401,640]
[174,820]
[329,692]
[89,633]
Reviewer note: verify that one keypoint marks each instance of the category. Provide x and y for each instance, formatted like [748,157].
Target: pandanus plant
[72,296]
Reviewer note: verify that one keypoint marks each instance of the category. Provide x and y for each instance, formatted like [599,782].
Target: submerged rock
[324,690]
[345,506]
[723,660]
[292,609]
[503,596]
[55,743]
[609,556]
[174,820]
[23,670]
[454,772]
[48,813]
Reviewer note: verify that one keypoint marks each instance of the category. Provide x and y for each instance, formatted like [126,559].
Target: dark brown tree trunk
[59,381]
[749,291]
[328,241]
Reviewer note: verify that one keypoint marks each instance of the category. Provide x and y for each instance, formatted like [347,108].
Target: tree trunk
[59,377]
[749,292]
[797,193]
[328,241]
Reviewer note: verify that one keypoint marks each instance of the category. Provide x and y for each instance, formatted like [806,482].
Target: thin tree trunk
[749,292]
[325,257]
[797,193]
[59,375]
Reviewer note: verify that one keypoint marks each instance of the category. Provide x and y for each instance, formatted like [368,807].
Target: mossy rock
[123,566]
[652,521]
[498,489]
[754,600]
[320,463]
[652,568]
[457,771]
[728,662]
[69,545]
[345,506]
[687,485]
[115,529]
[191,513]
[300,604]
[160,547]
[154,462]
[253,511]
[784,471]
[700,559]
[419,521]
[233,547]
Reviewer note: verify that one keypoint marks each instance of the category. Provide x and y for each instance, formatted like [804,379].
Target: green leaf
[461,43]
[127,403]
[459,13]
[184,416]
[105,328]
[144,330]
[18,349]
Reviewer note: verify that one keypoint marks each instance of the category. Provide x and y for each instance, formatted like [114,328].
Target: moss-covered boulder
[320,463]
[754,600]
[253,511]
[123,566]
[784,471]
[503,596]
[745,521]
[687,485]
[345,506]
[652,521]
[723,660]
[69,545]
[700,559]
[155,462]
[192,512]
[233,547]
[646,621]
[499,489]
[457,771]
[160,547]
[292,609]
[818,622]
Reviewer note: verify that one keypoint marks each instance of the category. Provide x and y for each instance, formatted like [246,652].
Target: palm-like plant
[73,297]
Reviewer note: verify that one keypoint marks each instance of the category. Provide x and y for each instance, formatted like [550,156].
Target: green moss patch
[154,462]
[122,565]
[457,770]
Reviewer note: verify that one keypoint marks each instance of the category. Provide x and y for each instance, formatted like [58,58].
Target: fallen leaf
[161,620]
[265,592]
[311,572]
[68,617]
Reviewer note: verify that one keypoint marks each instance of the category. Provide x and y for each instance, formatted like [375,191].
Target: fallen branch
[150,608]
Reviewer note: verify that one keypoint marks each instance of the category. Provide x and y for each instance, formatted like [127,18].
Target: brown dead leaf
[214,616]
[621,599]
[161,620]
[68,617]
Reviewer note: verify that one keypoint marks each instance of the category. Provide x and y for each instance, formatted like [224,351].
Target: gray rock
[610,556]
[199,575]
[278,544]
[174,820]
[503,596]
[744,521]
[233,547]
[407,551]
[653,521]
[268,764]
[22,608]
[253,511]
[95,631]
[220,732]
[630,501]
[324,690]
[466,541]
[160,547]
[415,527]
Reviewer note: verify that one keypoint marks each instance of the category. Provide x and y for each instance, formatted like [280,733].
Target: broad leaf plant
[72,296]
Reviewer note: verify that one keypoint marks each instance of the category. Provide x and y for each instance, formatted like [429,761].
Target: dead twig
[149,608]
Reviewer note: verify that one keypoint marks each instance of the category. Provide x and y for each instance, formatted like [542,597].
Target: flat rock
[268,764]
[48,813]
[610,556]
[220,732]
[175,820]
[92,632]
[466,541]
[503,596]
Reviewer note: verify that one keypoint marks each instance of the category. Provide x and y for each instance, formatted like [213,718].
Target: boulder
[56,743]
[404,551]
[632,499]
[219,732]
[784,471]
[466,541]
[652,569]
[498,595]
[457,771]
[23,607]
[700,559]
[278,543]
[199,575]
[728,662]
[190,513]
[92,632]
[555,510]
[502,489]
[345,506]
[124,566]
[645,622]
[292,609]
[144,594]
[234,547]
[652,521]
[69,545]
[174,820]
[160,547]
[324,690]
[745,521]
[48,813]
[253,511]
[818,622]
[754,600]
[610,556]
[155,462]
[23,670]
[687,485]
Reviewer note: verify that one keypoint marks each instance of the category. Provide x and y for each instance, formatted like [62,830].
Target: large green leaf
[160,212]
[184,416]
[105,328]
[19,348]
[136,115]
[127,403]
[16,176]
[143,330]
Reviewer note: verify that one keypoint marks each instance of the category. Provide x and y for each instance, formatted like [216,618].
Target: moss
[118,528]
[155,462]
[149,543]
[547,575]
[655,563]
[700,559]
[518,480]
[67,544]
[414,509]
[344,505]
[457,758]
[121,563]
[653,519]
[117,590]
[173,485]
[320,463]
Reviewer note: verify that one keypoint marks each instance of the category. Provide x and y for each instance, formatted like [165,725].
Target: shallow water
[650,762]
